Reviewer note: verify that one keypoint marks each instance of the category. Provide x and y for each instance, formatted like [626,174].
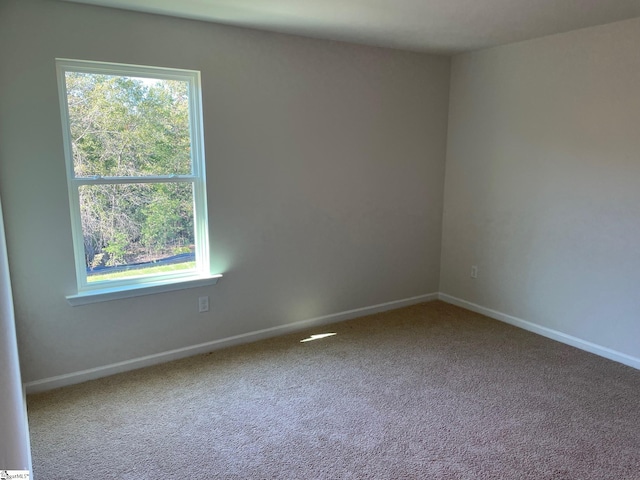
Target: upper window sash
[190,77]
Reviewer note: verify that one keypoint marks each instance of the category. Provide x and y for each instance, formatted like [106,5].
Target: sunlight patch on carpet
[318,336]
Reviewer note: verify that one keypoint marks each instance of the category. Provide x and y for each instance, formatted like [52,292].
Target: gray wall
[325,180]
[542,186]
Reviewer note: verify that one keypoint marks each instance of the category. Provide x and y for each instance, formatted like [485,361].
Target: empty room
[320,239]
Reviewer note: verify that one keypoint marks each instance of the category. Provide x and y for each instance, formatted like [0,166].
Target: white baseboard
[104,371]
[545,331]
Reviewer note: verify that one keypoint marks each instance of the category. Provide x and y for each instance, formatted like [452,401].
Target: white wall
[325,166]
[15,453]
[542,187]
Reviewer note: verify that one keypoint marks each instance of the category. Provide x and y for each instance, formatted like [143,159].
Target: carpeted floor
[427,392]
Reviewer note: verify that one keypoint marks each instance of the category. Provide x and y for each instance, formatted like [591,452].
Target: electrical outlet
[203,304]
[474,271]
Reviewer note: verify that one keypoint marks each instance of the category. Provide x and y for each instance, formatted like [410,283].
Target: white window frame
[89,292]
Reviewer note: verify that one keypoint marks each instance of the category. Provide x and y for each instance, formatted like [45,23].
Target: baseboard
[545,332]
[149,360]
[104,371]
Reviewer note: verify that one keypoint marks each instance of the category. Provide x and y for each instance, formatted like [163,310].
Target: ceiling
[439,26]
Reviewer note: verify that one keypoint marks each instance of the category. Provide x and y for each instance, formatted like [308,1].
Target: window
[136,178]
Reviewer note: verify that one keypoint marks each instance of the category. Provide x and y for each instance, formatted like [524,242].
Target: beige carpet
[427,392]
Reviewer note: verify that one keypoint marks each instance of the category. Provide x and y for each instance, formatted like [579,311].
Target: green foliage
[124,126]
[117,249]
[162,222]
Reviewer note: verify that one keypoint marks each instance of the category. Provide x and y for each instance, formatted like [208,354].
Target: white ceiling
[441,26]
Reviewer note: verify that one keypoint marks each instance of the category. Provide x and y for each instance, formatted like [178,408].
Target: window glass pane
[128,126]
[137,229]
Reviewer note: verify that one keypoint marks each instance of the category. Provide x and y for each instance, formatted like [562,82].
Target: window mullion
[128,180]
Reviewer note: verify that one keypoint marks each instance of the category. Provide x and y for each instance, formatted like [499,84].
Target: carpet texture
[430,391]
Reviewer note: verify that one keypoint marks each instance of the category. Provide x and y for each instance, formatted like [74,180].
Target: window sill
[115,293]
